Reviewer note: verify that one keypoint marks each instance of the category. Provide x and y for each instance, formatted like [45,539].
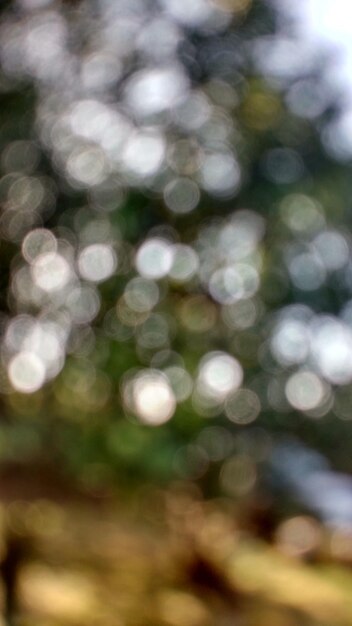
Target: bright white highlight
[332,349]
[144,153]
[185,263]
[154,258]
[154,400]
[97,262]
[219,375]
[290,343]
[51,271]
[305,391]
[87,165]
[155,90]
[220,174]
[141,294]
[26,372]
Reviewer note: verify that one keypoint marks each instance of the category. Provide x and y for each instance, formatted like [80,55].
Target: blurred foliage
[176,256]
[176,316]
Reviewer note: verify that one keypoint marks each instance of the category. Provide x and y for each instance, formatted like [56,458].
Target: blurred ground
[166,559]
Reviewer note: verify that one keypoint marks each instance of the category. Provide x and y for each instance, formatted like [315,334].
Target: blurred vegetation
[175,310]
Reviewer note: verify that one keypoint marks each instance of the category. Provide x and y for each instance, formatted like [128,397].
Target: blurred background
[176,313]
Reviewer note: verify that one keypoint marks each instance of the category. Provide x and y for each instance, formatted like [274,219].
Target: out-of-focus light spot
[159,39]
[51,272]
[26,372]
[243,406]
[97,262]
[307,99]
[331,342]
[114,137]
[307,271]
[224,94]
[241,236]
[153,333]
[144,153]
[201,11]
[240,315]
[229,284]
[153,398]
[129,316]
[154,258]
[155,90]
[43,45]
[185,263]
[38,242]
[220,174]
[337,137]
[299,312]
[115,329]
[87,165]
[198,314]
[27,192]
[20,156]
[17,330]
[298,536]
[219,375]
[90,119]
[15,223]
[122,28]
[94,232]
[226,285]
[99,71]
[332,248]
[184,157]
[302,214]
[250,278]
[167,358]
[283,166]
[305,390]
[238,475]
[83,304]
[141,294]
[290,342]
[193,112]
[283,57]
[24,289]
[181,195]
[46,340]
